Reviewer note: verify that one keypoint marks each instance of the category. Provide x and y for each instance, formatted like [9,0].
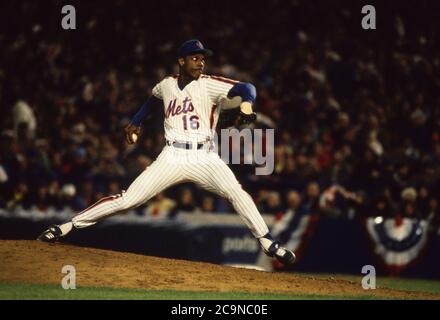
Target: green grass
[431,286]
[52,292]
[410,285]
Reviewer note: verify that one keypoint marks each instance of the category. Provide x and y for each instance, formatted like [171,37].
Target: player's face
[194,65]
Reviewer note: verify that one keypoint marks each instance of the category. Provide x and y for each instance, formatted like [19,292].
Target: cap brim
[205,52]
[208,52]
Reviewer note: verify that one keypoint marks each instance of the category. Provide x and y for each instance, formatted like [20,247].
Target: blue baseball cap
[192,47]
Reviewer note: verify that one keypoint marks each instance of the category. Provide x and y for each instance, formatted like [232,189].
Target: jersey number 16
[193,122]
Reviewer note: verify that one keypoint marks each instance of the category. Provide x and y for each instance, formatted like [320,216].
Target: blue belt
[184,145]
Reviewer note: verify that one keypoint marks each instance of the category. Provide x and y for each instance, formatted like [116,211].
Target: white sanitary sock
[266,243]
[66,228]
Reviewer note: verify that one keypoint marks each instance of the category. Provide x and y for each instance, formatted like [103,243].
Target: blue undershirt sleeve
[145,110]
[245,90]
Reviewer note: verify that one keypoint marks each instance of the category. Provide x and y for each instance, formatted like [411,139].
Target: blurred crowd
[356,112]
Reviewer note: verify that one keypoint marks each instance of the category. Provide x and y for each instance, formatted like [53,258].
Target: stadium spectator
[348,108]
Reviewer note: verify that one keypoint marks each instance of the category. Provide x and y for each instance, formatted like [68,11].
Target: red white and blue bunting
[294,230]
[398,242]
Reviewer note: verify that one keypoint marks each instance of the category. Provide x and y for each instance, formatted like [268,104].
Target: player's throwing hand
[132,132]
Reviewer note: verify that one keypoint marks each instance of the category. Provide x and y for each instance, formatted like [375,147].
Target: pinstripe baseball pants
[175,165]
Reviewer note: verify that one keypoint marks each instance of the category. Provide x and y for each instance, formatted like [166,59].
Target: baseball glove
[247,118]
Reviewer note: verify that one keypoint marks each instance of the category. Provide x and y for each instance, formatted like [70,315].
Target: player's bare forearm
[246,107]
[247,93]
[247,115]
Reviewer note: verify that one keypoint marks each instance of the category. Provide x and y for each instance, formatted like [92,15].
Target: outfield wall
[324,246]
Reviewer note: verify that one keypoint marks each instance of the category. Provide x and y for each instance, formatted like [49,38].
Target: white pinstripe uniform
[191,116]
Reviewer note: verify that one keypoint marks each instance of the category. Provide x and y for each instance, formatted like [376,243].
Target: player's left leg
[211,173]
[161,174]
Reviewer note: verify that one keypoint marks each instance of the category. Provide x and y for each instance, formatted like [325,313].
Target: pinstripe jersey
[192,114]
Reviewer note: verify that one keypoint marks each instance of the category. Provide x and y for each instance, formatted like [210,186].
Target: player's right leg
[212,174]
[161,174]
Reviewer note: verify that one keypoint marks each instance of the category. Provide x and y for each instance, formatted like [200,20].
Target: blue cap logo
[192,47]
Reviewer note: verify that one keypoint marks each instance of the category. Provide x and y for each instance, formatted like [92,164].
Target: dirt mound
[41,263]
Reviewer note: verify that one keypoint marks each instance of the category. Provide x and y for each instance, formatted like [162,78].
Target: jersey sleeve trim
[222,79]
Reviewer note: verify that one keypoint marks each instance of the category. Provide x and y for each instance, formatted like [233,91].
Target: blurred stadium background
[356,115]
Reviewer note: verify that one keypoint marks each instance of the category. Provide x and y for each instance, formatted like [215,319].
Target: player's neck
[183,80]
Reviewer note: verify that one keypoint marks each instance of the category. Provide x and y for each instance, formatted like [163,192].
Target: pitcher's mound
[34,262]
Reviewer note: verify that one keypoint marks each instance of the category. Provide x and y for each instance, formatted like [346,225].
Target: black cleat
[282,254]
[53,234]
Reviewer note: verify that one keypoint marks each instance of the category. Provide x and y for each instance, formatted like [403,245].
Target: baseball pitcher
[192,102]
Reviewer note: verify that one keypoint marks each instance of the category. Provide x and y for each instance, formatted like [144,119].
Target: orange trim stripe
[226,80]
[100,201]
[211,118]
